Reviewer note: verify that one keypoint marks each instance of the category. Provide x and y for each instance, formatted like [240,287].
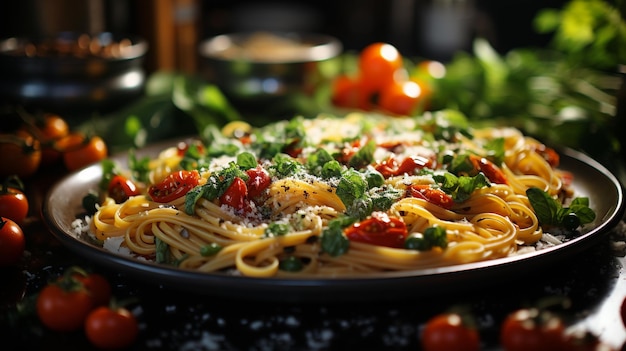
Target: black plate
[591,179]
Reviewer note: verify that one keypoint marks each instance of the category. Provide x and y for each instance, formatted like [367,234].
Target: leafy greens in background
[564,95]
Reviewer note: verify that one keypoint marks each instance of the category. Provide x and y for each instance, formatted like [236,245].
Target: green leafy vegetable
[550,212]
[432,237]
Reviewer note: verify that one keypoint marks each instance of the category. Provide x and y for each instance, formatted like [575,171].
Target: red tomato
[447,332]
[51,128]
[432,195]
[491,171]
[379,229]
[257,182]
[63,307]
[236,195]
[13,202]
[350,92]
[182,147]
[121,188]
[20,154]
[97,286]
[79,151]
[378,62]
[174,186]
[12,242]
[532,329]
[111,328]
[405,97]
[390,167]
[548,154]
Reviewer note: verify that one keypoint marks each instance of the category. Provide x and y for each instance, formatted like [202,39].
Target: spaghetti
[330,197]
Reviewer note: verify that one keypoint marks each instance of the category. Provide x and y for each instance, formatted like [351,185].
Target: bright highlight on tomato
[382,82]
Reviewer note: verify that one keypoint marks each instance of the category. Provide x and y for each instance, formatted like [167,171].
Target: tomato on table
[51,127]
[532,329]
[64,305]
[111,327]
[450,331]
[121,188]
[96,285]
[12,242]
[174,186]
[379,229]
[20,154]
[13,202]
[80,150]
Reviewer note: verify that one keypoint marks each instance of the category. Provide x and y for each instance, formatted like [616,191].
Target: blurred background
[427,28]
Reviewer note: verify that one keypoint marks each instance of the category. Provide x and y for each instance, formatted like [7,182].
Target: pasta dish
[338,196]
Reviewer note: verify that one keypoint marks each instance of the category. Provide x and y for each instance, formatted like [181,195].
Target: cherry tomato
[378,63]
[51,128]
[449,331]
[257,182]
[13,202]
[63,306]
[121,188]
[532,329]
[350,92]
[379,229]
[236,195]
[20,154]
[491,171]
[111,328]
[432,195]
[390,167]
[12,242]
[174,186]
[548,154]
[405,97]
[79,150]
[97,286]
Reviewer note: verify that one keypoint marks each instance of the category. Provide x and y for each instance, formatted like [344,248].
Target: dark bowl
[260,67]
[72,71]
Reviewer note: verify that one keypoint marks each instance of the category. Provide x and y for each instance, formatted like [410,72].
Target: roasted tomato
[450,331]
[258,181]
[236,196]
[409,165]
[379,229]
[12,242]
[13,202]
[174,186]
[432,195]
[491,171]
[121,188]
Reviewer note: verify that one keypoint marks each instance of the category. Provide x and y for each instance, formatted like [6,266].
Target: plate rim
[318,289]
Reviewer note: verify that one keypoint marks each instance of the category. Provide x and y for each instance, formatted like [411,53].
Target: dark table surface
[594,281]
